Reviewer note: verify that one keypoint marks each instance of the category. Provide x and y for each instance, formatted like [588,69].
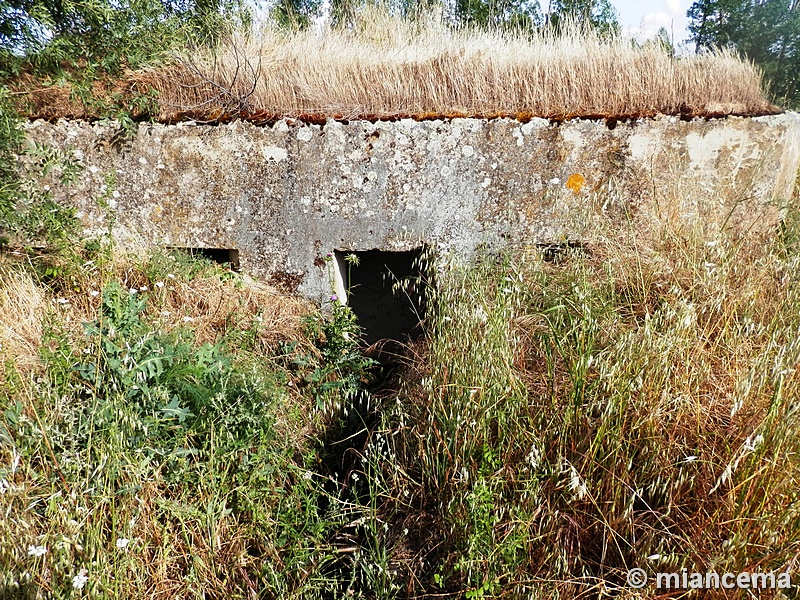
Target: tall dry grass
[633,404]
[21,306]
[388,67]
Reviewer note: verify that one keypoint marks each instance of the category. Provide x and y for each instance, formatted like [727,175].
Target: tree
[523,14]
[293,14]
[765,31]
[46,35]
[662,41]
[597,14]
[520,15]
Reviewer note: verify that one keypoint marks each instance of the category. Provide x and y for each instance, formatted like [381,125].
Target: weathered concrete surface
[286,195]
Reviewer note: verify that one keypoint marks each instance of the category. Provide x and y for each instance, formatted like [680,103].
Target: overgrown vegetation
[160,455]
[210,63]
[169,429]
[634,407]
[160,419]
[71,57]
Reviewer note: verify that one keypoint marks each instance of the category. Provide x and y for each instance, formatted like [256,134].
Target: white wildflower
[165,313]
[554,181]
[122,543]
[133,290]
[170,275]
[143,288]
[37,550]
[187,319]
[159,284]
[80,580]
[94,293]
[307,475]
[62,301]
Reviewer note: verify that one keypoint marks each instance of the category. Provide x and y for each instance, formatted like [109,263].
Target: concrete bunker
[283,194]
[386,291]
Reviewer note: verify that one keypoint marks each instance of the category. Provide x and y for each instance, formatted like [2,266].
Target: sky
[638,18]
[643,18]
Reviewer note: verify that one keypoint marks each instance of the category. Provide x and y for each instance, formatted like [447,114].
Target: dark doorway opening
[386,292]
[227,257]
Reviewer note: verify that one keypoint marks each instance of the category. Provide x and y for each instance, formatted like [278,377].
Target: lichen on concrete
[286,194]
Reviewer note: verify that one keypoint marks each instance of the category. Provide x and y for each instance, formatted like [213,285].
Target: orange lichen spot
[575,183]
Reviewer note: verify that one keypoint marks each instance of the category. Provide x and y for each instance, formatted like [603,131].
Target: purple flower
[334,298]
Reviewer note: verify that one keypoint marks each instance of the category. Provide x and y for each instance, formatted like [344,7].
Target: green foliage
[127,418]
[519,15]
[767,32]
[663,41]
[29,216]
[522,14]
[103,37]
[295,14]
[595,14]
[11,137]
[343,370]
[169,384]
[87,45]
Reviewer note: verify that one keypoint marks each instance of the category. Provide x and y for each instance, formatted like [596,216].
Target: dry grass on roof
[393,68]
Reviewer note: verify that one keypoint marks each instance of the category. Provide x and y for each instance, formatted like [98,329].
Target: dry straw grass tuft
[22,307]
[392,68]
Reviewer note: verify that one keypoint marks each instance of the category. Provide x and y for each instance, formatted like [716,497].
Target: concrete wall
[286,195]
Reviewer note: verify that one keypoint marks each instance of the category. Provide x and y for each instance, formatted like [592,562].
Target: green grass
[633,404]
[128,431]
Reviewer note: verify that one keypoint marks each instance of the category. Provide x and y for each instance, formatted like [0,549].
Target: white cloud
[643,18]
[675,7]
